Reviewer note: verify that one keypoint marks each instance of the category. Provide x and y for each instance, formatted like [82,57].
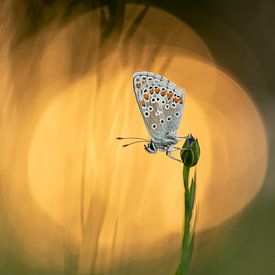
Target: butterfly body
[161,104]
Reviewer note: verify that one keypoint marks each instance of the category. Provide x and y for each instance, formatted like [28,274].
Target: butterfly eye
[167,106]
[154,126]
[153,100]
[173,105]
[152,146]
[177,114]
[150,78]
[147,114]
[162,121]
[157,98]
[169,118]
[163,101]
[150,108]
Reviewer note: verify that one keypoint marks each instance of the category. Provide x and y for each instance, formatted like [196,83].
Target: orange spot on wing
[146,96]
[156,90]
[151,91]
[138,85]
[180,101]
[163,92]
[169,95]
[143,102]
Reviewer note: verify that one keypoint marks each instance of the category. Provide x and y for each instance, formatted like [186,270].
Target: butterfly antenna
[133,138]
[125,145]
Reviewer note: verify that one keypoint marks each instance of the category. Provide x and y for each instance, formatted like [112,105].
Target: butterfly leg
[177,148]
[168,154]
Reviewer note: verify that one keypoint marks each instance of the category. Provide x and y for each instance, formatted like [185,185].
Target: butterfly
[161,104]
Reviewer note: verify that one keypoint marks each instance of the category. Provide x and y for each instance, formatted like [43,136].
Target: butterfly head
[151,147]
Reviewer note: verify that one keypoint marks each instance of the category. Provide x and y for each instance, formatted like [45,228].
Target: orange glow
[111,202]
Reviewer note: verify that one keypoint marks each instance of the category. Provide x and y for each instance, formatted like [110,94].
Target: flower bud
[191,151]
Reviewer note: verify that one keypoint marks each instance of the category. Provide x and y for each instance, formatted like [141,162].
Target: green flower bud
[191,153]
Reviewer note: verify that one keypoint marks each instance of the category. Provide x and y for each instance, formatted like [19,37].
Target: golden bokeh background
[71,189]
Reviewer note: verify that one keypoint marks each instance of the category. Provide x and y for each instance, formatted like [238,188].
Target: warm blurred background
[72,201]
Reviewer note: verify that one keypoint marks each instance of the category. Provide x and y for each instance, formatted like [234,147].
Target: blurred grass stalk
[190,156]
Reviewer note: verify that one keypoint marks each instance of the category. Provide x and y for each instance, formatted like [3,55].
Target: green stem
[186,171]
[186,249]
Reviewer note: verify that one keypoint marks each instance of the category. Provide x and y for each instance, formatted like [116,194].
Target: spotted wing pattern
[160,102]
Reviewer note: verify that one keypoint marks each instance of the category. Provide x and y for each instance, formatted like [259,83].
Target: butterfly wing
[160,102]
